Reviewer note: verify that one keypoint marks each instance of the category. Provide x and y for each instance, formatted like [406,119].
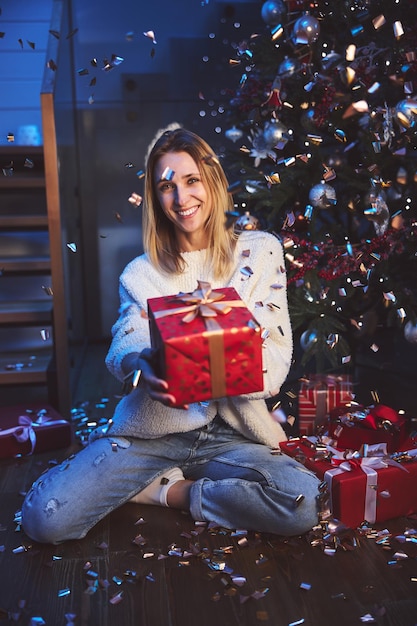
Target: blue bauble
[308,338]
[273,11]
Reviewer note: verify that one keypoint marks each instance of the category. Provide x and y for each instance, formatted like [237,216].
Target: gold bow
[202,302]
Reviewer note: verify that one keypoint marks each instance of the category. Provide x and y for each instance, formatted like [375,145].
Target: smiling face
[183,198]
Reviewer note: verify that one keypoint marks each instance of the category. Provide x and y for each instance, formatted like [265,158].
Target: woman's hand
[157,387]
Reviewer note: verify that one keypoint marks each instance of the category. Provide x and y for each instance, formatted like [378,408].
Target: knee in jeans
[40,519]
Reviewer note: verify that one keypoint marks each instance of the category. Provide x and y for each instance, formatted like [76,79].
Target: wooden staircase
[41,331]
[26,298]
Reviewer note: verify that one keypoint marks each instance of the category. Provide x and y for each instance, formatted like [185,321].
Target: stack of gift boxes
[366,455]
[209,346]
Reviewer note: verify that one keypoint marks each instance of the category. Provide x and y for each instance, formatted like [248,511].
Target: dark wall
[180,78]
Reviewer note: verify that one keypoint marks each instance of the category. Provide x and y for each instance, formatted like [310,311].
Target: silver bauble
[275,132]
[288,67]
[322,196]
[234,134]
[410,332]
[306,30]
[273,11]
[308,338]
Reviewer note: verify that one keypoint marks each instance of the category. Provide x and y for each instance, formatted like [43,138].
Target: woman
[213,459]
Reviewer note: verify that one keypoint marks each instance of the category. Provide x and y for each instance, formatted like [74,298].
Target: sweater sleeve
[267,300]
[130,333]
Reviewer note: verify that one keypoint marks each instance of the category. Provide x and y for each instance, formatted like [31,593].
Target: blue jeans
[238,484]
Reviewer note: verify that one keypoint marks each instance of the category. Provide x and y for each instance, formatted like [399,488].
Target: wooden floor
[147,566]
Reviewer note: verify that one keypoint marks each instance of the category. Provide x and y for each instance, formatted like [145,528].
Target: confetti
[167,174]
[150,35]
[114,62]
[64,592]
[246,271]
[72,33]
[135,199]
[118,597]
[398,29]
[211,159]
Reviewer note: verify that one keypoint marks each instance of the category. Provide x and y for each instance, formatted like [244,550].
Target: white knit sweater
[264,293]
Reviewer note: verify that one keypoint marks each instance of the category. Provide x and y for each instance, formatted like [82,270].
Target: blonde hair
[159,239]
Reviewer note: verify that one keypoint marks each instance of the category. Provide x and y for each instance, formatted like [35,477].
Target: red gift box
[352,425]
[25,431]
[318,395]
[208,344]
[367,489]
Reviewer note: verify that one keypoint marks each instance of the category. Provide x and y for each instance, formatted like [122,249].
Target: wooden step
[26,312]
[22,181]
[25,264]
[23,221]
[18,368]
[14,151]
[14,170]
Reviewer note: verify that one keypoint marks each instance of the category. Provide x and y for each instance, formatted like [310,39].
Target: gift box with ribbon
[367,485]
[27,430]
[208,344]
[352,425]
[318,395]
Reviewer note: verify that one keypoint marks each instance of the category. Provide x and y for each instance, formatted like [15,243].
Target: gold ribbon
[206,304]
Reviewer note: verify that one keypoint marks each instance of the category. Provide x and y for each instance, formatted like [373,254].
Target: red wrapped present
[208,344]
[318,395]
[352,425]
[24,431]
[372,488]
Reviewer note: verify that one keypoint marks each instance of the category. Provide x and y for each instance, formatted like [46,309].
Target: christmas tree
[322,124]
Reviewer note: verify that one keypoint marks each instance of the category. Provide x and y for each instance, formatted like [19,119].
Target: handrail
[53,201]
